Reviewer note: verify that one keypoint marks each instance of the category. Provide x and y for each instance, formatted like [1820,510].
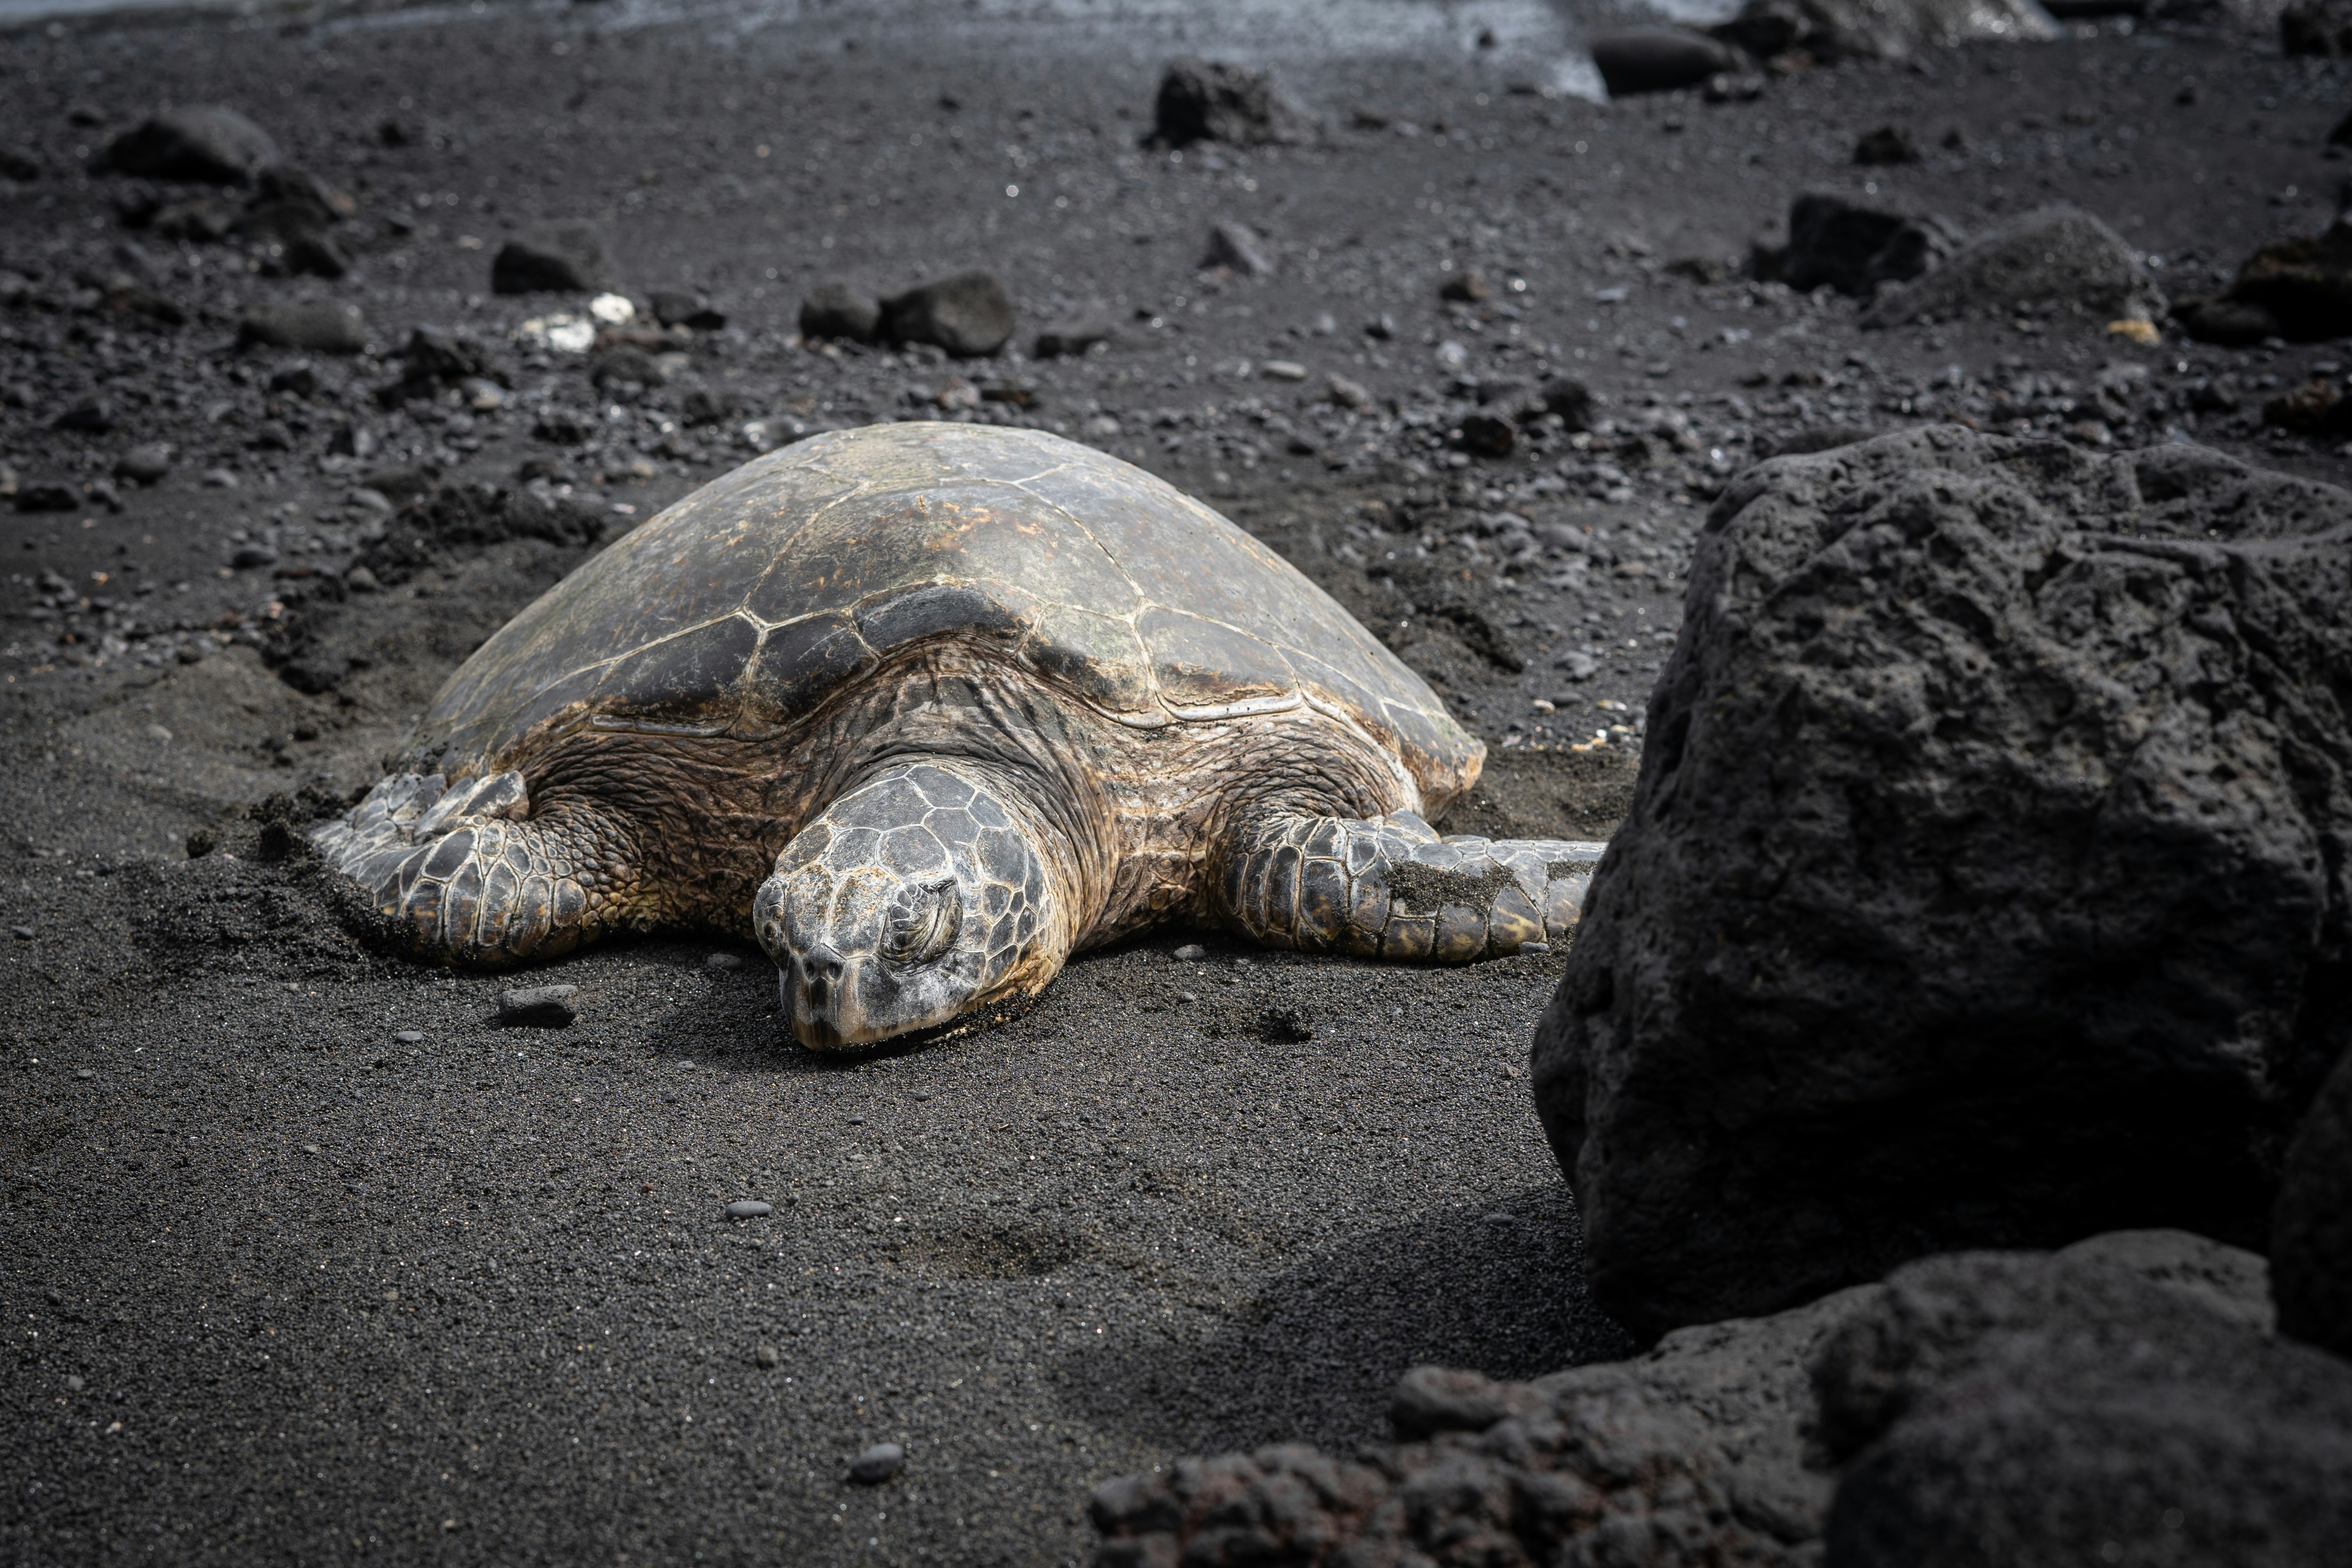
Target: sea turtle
[925,708]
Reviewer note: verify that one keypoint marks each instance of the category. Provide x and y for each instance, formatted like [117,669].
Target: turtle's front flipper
[1394,888]
[473,878]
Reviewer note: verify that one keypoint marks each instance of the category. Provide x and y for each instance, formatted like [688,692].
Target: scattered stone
[2300,290]
[1814,438]
[1191,953]
[877,1463]
[1283,370]
[749,1208]
[766,1356]
[568,258]
[1572,400]
[2321,27]
[1202,100]
[1347,393]
[359,579]
[409,1036]
[324,326]
[2311,1225]
[1467,288]
[675,308]
[21,933]
[1887,145]
[1233,246]
[247,557]
[47,497]
[835,311]
[1486,436]
[2055,254]
[204,220]
[969,315]
[1658,59]
[723,961]
[537,1006]
[1851,249]
[1076,333]
[2070,595]
[2315,409]
[95,417]
[207,143]
[22,167]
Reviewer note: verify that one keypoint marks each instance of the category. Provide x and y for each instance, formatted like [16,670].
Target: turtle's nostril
[816,990]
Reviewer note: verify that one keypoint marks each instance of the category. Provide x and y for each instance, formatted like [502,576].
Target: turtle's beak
[820,989]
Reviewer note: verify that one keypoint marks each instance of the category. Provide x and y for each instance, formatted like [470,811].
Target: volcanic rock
[969,315]
[569,259]
[1854,249]
[2005,1409]
[676,307]
[1074,333]
[834,310]
[207,143]
[1658,59]
[324,326]
[2322,27]
[2053,254]
[146,464]
[1975,891]
[2300,290]
[1887,145]
[2311,1225]
[1206,100]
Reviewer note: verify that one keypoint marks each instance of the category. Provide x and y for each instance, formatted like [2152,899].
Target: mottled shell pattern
[748,604]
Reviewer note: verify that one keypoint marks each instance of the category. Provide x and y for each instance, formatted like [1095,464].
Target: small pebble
[749,1208]
[410,1037]
[857,1121]
[1191,953]
[877,1463]
[85,1072]
[537,1006]
[766,1355]
[73,1384]
[723,961]
[1537,948]
[1186,997]
[309,1148]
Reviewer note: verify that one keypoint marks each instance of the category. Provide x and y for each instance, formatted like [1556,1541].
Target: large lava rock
[1209,100]
[2014,1411]
[2311,1227]
[1704,1453]
[568,258]
[969,315]
[2299,288]
[1984,884]
[1657,59]
[1853,249]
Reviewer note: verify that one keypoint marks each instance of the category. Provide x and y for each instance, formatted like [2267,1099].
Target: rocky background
[327,341]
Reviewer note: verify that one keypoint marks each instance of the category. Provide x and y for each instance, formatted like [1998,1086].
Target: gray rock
[676,307]
[1814,438]
[1202,101]
[207,142]
[766,1356]
[749,1208]
[537,1006]
[1983,728]
[969,315]
[324,326]
[2027,1412]
[2311,1225]
[1854,249]
[568,258]
[1830,30]
[835,311]
[723,961]
[877,1463]
[1237,247]
[2056,254]
[409,1036]
[1657,59]
[245,557]
[1074,333]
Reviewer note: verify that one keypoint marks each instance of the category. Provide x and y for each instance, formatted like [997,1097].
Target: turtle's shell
[751,601]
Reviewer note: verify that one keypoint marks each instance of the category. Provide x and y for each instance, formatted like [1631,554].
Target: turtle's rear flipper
[1394,888]
[470,876]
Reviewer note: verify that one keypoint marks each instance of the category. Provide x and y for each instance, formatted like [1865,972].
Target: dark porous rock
[1074,333]
[438,354]
[94,417]
[1488,436]
[568,258]
[1887,145]
[1208,100]
[2315,409]
[321,327]
[2321,27]
[1814,438]
[1854,249]
[22,167]
[1658,59]
[2311,1225]
[1704,1453]
[836,310]
[48,498]
[2053,255]
[969,315]
[537,1006]
[205,141]
[2300,289]
[2000,1410]
[1572,400]
[1977,887]
[1236,248]
[146,464]
[205,220]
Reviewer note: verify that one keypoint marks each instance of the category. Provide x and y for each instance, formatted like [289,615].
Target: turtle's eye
[925,925]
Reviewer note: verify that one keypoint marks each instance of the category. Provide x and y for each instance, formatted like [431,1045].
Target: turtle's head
[914,898]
